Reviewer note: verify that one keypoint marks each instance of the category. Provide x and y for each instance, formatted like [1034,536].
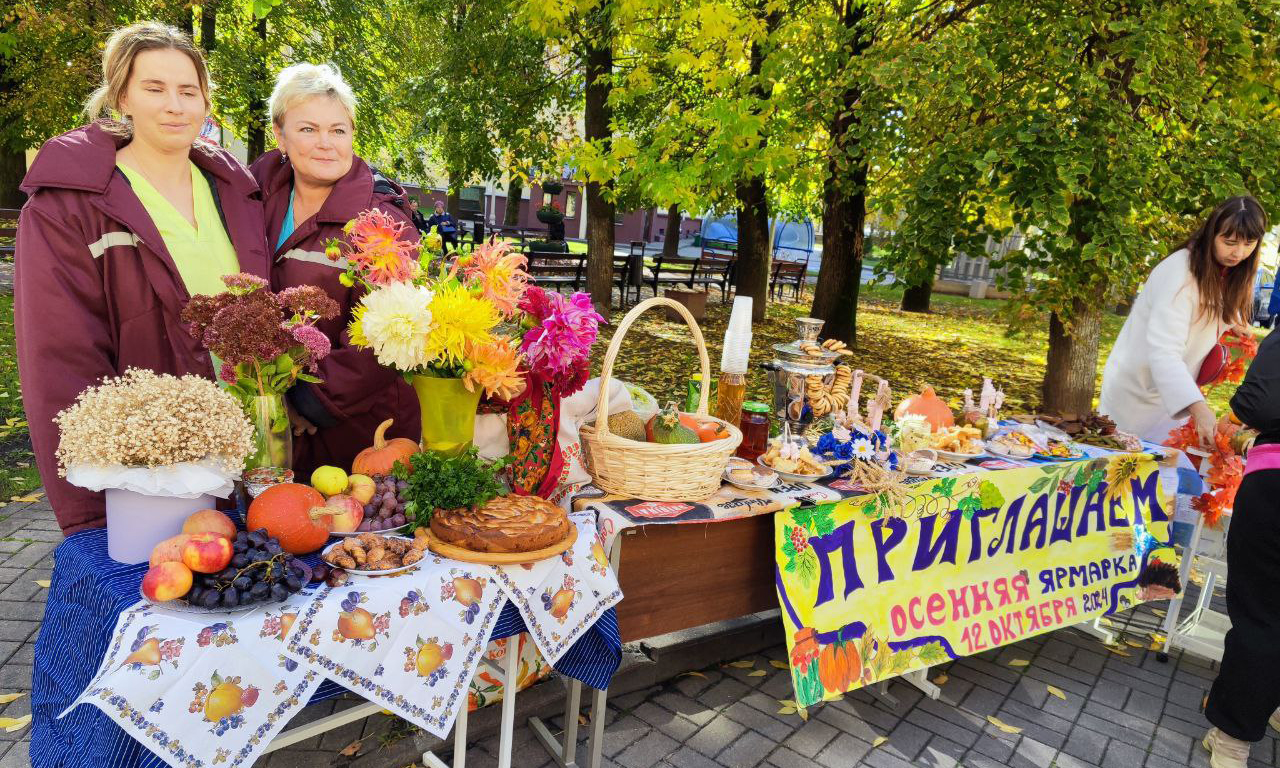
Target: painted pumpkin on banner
[839,666]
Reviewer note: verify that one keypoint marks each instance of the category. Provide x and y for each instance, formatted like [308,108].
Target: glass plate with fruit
[255,571]
[383,510]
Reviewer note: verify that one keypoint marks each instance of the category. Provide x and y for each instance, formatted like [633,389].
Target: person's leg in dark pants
[1247,690]
[449,242]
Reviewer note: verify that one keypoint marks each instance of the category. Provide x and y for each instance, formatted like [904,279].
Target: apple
[347,512]
[329,480]
[210,521]
[167,581]
[362,488]
[169,550]
[207,552]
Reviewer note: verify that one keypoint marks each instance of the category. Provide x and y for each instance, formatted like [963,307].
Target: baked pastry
[505,524]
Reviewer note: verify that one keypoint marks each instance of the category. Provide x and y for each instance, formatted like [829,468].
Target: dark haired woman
[1191,298]
[1247,691]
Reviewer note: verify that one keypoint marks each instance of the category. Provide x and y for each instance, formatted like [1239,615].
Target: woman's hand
[1206,423]
[299,422]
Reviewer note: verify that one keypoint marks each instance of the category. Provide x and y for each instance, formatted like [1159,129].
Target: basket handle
[606,371]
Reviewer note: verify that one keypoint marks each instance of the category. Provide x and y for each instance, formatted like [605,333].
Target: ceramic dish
[793,477]
[996,450]
[359,572]
[961,457]
[728,478]
[384,532]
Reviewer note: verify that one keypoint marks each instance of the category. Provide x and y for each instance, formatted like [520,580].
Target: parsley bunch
[439,482]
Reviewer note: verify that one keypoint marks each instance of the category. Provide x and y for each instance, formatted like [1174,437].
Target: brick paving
[1119,712]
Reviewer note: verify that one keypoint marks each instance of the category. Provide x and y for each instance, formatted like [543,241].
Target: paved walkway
[1119,711]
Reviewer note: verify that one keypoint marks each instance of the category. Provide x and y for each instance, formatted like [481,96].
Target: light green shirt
[203,254]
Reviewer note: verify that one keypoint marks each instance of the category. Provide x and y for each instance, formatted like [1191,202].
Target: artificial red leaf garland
[1226,469]
[1241,349]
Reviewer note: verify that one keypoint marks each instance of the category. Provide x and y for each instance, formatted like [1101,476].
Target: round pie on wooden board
[505,524]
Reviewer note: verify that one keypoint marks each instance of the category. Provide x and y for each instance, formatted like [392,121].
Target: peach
[167,581]
[361,487]
[169,550]
[346,511]
[210,521]
[356,625]
[207,552]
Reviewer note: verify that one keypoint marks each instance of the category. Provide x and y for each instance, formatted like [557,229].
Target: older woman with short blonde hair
[312,185]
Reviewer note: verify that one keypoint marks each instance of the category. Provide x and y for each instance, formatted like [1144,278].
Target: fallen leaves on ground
[1019,663]
[788,707]
[744,664]
[8,697]
[941,679]
[12,724]
[1054,691]
[757,673]
[778,664]
[42,583]
[350,749]
[878,741]
[1117,650]
[694,674]
[1002,725]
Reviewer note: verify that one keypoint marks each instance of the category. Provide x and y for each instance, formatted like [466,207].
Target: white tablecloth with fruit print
[204,689]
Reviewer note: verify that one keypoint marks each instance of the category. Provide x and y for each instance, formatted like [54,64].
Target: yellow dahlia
[458,320]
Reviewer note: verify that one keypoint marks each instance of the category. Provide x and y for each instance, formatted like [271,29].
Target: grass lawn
[952,348]
[18,474]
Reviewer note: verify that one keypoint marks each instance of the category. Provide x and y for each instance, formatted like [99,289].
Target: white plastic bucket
[137,522]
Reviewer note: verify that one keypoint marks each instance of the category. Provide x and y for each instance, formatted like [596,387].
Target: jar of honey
[755,431]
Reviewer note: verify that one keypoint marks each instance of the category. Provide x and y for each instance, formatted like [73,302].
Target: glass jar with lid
[755,431]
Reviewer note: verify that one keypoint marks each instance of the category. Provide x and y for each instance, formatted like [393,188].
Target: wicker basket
[652,471]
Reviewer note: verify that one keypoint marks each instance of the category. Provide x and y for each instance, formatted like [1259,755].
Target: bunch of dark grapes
[260,572]
[386,509]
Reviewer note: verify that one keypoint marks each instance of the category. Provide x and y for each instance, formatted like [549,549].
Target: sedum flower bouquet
[462,328]
[265,342]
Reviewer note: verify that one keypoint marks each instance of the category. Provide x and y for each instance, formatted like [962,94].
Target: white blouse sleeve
[1173,307]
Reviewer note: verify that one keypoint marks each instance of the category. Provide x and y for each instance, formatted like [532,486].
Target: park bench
[8,233]
[628,273]
[691,272]
[557,269]
[788,273]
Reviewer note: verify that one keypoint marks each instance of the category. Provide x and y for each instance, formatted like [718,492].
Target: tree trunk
[256,135]
[671,241]
[515,188]
[844,209]
[13,166]
[598,128]
[209,26]
[916,297]
[754,251]
[452,198]
[1072,367]
[755,246]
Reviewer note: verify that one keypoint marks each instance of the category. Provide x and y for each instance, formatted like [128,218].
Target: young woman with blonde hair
[127,218]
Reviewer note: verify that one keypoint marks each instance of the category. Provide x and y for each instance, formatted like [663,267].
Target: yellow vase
[448,414]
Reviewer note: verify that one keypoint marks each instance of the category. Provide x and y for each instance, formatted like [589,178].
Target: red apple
[207,552]
[167,581]
[169,550]
[346,511]
[210,521]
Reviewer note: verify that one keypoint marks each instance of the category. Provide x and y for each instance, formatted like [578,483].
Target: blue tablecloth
[88,592]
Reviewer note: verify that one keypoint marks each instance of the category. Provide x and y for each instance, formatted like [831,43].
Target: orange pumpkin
[285,510]
[381,457]
[930,406]
[706,429]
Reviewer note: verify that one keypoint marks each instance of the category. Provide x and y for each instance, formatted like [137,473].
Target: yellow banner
[871,589]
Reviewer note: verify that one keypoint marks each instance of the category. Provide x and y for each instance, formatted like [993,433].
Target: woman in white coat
[1195,294]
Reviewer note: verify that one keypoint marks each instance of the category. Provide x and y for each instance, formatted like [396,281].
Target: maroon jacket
[357,394]
[96,291]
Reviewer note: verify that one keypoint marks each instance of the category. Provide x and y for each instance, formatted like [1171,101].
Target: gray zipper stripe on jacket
[315,257]
[111,240]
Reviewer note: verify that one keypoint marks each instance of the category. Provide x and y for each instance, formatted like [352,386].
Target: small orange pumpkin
[381,457]
[285,510]
[930,406]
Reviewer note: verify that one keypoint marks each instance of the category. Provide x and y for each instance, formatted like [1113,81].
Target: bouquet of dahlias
[474,317]
[265,341]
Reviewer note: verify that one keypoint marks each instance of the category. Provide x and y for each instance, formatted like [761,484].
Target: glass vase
[448,414]
[272,435]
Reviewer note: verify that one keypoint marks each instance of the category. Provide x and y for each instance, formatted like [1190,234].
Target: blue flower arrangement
[860,446]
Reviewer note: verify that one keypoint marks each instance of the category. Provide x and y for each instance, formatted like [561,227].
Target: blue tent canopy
[792,240]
